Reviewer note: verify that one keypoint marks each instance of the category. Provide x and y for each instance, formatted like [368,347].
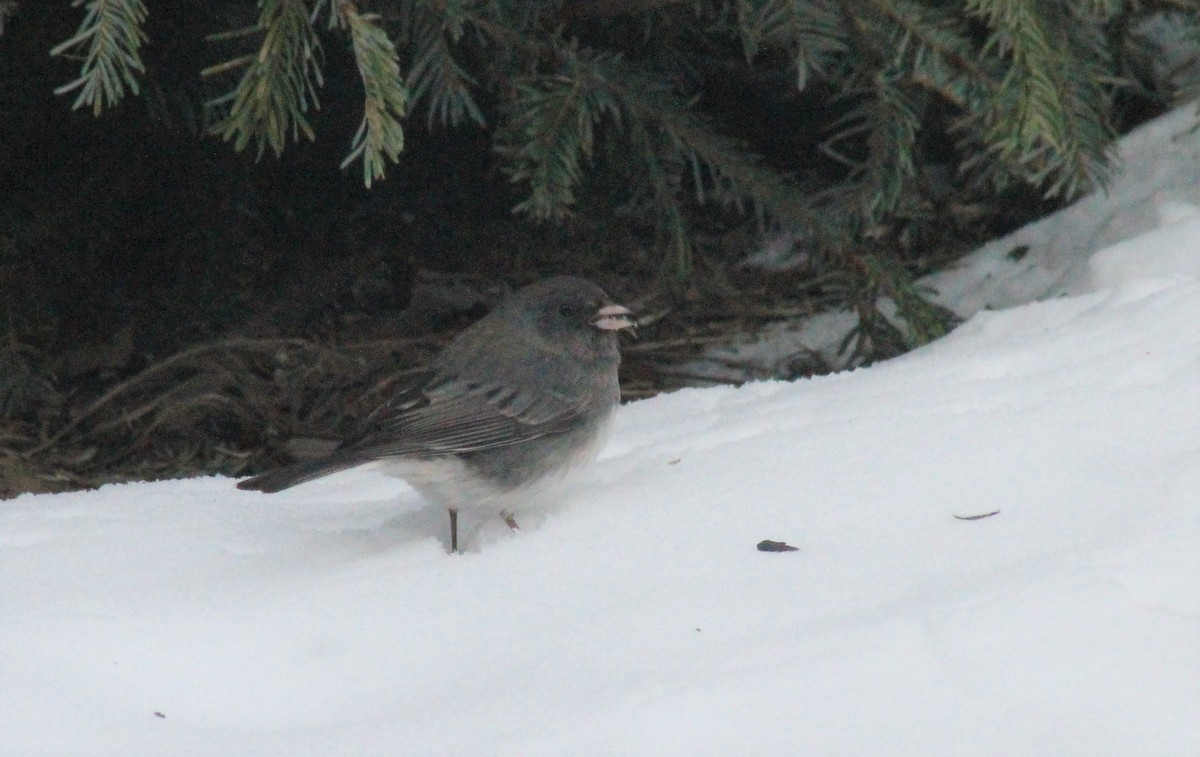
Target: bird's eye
[566,311]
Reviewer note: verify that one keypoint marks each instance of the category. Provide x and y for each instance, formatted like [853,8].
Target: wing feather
[440,416]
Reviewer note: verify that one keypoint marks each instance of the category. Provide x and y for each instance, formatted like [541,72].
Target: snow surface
[1158,185]
[637,617]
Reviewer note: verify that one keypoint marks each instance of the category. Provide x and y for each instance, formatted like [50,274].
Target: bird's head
[573,312]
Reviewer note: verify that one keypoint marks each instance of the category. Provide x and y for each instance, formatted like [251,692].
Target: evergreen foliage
[279,82]
[386,97]
[107,42]
[889,107]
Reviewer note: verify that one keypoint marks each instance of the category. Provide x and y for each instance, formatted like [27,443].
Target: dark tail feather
[286,478]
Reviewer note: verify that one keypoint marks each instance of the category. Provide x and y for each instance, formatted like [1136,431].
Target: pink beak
[614,318]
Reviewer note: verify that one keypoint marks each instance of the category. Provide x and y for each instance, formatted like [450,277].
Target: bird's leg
[510,521]
[453,530]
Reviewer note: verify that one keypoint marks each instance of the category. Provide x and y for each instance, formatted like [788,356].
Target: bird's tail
[298,473]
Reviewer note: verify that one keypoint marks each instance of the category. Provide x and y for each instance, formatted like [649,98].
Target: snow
[637,617]
[1159,185]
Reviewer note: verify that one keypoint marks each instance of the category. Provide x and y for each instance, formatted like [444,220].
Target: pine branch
[430,29]
[550,131]
[719,165]
[553,131]
[279,84]
[663,175]
[870,281]
[1047,121]
[810,30]
[108,41]
[930,47]
[385,96]
[896,114]
[905,50]
[923,321]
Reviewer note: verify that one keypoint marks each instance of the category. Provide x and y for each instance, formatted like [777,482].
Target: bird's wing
[445,415]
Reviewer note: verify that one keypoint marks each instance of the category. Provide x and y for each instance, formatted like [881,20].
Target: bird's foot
[510,521]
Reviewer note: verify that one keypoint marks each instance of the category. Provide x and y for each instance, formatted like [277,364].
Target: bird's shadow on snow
[410,529]
[405,530]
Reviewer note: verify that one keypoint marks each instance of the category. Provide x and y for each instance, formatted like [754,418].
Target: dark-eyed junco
[511,405]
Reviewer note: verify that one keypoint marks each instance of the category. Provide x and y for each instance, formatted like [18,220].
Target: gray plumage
[513,402]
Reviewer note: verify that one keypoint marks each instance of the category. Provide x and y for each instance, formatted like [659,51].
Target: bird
[510,407]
